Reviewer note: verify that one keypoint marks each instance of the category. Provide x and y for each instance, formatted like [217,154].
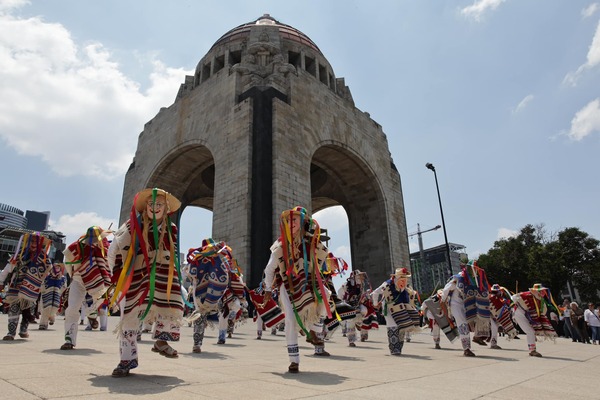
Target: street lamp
[431,167]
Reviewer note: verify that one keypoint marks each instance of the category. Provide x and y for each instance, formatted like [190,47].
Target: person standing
[87,264]
[295,262]
[593,322]
[27,268]
[578,323]
[570,331]
[144,259]
[401,314]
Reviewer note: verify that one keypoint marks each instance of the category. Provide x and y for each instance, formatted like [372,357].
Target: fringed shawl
[535,310]
[151,288]
[473,288]
[303,287]
[400,305]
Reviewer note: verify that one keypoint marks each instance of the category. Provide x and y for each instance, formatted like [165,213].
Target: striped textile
[136,298]
[477,306]
[401,307]
[270,313]
[26,284]
[300,286]
[211,279]
[94,271]
[52,290]
[539,322]
[500,312]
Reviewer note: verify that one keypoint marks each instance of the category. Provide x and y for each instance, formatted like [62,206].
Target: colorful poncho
[148,277]
[52,288]
[500,307]
[303,283]
[210,277]
[27,278]
[473,289]
[536,310]
[87,260]
[400,305]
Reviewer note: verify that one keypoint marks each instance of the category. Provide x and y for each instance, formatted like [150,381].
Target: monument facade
[265,125]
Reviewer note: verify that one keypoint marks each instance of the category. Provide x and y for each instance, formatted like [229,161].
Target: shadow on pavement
[313,378]
[137,384]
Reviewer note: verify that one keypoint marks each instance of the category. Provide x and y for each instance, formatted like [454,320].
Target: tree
[580,257]
[536,256]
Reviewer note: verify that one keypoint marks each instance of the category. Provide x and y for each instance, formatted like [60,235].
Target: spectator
[578,323]
[593,321]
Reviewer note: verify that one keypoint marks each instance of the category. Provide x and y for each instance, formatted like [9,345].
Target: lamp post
[431,167]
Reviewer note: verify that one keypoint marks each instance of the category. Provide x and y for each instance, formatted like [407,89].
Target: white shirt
[591,317]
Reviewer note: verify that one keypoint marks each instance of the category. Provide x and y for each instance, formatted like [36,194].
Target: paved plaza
[246,368]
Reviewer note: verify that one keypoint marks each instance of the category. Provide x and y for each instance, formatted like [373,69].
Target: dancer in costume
[217,288]
[467,293]
[399,310]
[233,302]
[433,324]
[529,312]
[28,268]
[90,274]
[296,258]
[341,311]
[500,306]
[144,258]
[355,293]
[52,290]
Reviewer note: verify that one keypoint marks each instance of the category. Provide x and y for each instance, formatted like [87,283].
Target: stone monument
[265,125]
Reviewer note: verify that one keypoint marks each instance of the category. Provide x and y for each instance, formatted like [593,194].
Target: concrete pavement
[247,368]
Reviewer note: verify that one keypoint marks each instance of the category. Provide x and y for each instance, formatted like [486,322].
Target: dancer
[296,258]
[212,271]
[341,311]
[28,267]
[529,312]
[355,292]
[467,293]
[52,290]
[90,279]
[401,315]
[500,305]
[144,256]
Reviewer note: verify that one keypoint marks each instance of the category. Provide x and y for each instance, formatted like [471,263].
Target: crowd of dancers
[138,275]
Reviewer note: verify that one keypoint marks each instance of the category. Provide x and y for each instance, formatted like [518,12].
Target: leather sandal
[165,350]
[120,372]
[312,338]
[294,368]
[67,346]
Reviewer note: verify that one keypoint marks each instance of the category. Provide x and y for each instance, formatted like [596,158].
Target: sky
[501,96]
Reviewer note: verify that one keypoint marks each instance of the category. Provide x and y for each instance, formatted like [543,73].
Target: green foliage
[534,256]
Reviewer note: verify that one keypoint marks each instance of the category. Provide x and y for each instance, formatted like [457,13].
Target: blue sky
[502,96]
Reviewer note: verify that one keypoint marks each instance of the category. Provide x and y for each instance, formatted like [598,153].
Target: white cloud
[593,60]
[333,219]
[585,121]
[70,105]
[479,8]
[505,233]
[523,103]
[73,226]
[8,5]
[589,10]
